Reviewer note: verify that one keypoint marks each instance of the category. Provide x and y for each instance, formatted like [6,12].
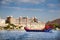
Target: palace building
[2,22]
[25,21]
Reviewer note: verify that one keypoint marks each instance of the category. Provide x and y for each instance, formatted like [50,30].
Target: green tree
[7,27]
[56,26]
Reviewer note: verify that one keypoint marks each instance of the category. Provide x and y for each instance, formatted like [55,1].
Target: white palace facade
[25,21]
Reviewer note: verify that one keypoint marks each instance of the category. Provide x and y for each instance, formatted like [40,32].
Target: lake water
[23,35]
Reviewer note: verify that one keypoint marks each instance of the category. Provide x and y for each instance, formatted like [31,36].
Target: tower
[20,19]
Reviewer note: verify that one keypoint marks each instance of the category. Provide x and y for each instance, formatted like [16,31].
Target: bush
[56,26]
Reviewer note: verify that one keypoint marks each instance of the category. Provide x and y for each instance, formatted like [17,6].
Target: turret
[20,19]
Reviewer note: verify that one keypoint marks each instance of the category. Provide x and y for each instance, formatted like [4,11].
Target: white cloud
[23,1]
[33,1]
[58,5]
[33,9]
[53,5]
[54,11]
[6,1]
[18,8]
[51,11]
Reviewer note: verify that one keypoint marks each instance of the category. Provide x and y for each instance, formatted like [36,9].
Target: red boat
[46,29]
[36,30]
[32,30]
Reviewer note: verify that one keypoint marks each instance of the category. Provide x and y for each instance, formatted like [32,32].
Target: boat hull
[34,30]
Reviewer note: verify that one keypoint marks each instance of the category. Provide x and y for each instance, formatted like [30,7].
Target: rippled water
[22,35]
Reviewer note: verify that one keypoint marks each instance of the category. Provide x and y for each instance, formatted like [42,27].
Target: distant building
[12,20]
[25,21]
[2,22]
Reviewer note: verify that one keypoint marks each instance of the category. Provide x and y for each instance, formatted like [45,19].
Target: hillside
[54,21]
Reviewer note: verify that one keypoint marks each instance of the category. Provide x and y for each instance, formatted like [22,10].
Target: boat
[32,30]
[36,30]
[28,29]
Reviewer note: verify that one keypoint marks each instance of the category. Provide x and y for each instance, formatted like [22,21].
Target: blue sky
[44,10]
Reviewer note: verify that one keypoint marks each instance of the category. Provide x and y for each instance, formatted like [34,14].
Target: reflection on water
[22,35]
